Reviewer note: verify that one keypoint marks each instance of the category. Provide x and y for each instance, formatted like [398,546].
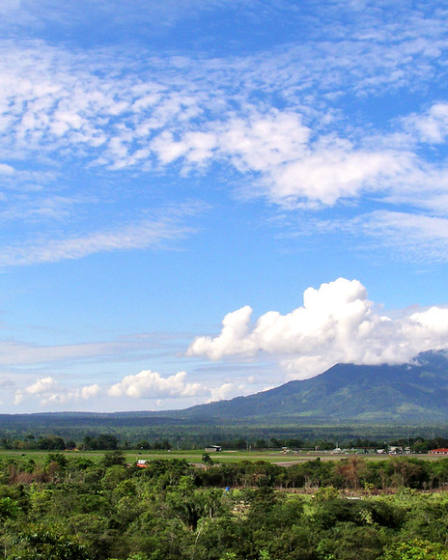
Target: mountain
[383,393]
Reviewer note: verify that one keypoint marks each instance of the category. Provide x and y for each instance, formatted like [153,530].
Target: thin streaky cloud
[151,233]
[412,237]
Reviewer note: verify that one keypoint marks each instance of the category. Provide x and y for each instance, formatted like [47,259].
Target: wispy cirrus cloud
[22,354]
[413,237]
[160,232]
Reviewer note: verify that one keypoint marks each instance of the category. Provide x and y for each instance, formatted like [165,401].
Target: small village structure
[213,449]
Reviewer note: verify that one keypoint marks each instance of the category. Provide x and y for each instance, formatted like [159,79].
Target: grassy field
[195,456]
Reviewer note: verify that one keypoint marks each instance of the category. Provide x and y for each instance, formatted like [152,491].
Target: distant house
[395,450]
[438,452]
[213,449]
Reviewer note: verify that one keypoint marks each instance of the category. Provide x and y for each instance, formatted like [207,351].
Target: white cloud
[6,169]
[233,339]
[430,127]
[227,391]
[89,391]
[41,386]
[151,385]
[290,163]
[49,391]
[337,323]
[55,102]
[262,141]
[169,114]
[294,165]
[148,385]
[324,175]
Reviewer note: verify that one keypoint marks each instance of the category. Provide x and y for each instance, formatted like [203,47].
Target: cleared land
[195,456]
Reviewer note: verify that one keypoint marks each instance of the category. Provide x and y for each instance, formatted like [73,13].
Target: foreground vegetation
[69,507]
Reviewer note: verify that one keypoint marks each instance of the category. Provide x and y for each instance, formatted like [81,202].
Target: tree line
[109,441]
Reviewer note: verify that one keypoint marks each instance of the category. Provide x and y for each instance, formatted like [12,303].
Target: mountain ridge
[416,391]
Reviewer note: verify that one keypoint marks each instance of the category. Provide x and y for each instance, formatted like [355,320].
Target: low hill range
[407,393]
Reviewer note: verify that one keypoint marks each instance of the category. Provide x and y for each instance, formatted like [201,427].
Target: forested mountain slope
[404,393]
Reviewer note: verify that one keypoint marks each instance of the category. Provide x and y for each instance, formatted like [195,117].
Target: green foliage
[206,459]
[74,508]
[51,443]
[326,493]
[44,544]
[416,549]
[102,441]
[349,541]
[58,458]
[9,508]
[113,458]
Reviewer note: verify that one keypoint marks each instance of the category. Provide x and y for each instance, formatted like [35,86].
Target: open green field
[195,456]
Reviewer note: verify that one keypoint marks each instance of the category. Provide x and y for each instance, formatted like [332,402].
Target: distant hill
[345,392]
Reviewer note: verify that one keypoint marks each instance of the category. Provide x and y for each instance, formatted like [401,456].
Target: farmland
[195,456]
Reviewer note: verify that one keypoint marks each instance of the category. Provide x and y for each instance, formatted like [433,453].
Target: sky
[201,199]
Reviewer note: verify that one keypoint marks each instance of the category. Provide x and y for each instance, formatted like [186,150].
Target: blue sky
[206,198]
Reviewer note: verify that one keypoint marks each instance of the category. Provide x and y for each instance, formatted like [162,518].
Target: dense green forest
[111,442]
[131,428]
[71,508]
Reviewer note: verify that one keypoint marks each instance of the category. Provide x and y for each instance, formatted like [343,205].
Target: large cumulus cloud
[337,323]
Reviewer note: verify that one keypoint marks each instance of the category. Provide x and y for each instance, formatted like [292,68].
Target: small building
[142,463]
[438,452]
[395,450]
[213,449]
